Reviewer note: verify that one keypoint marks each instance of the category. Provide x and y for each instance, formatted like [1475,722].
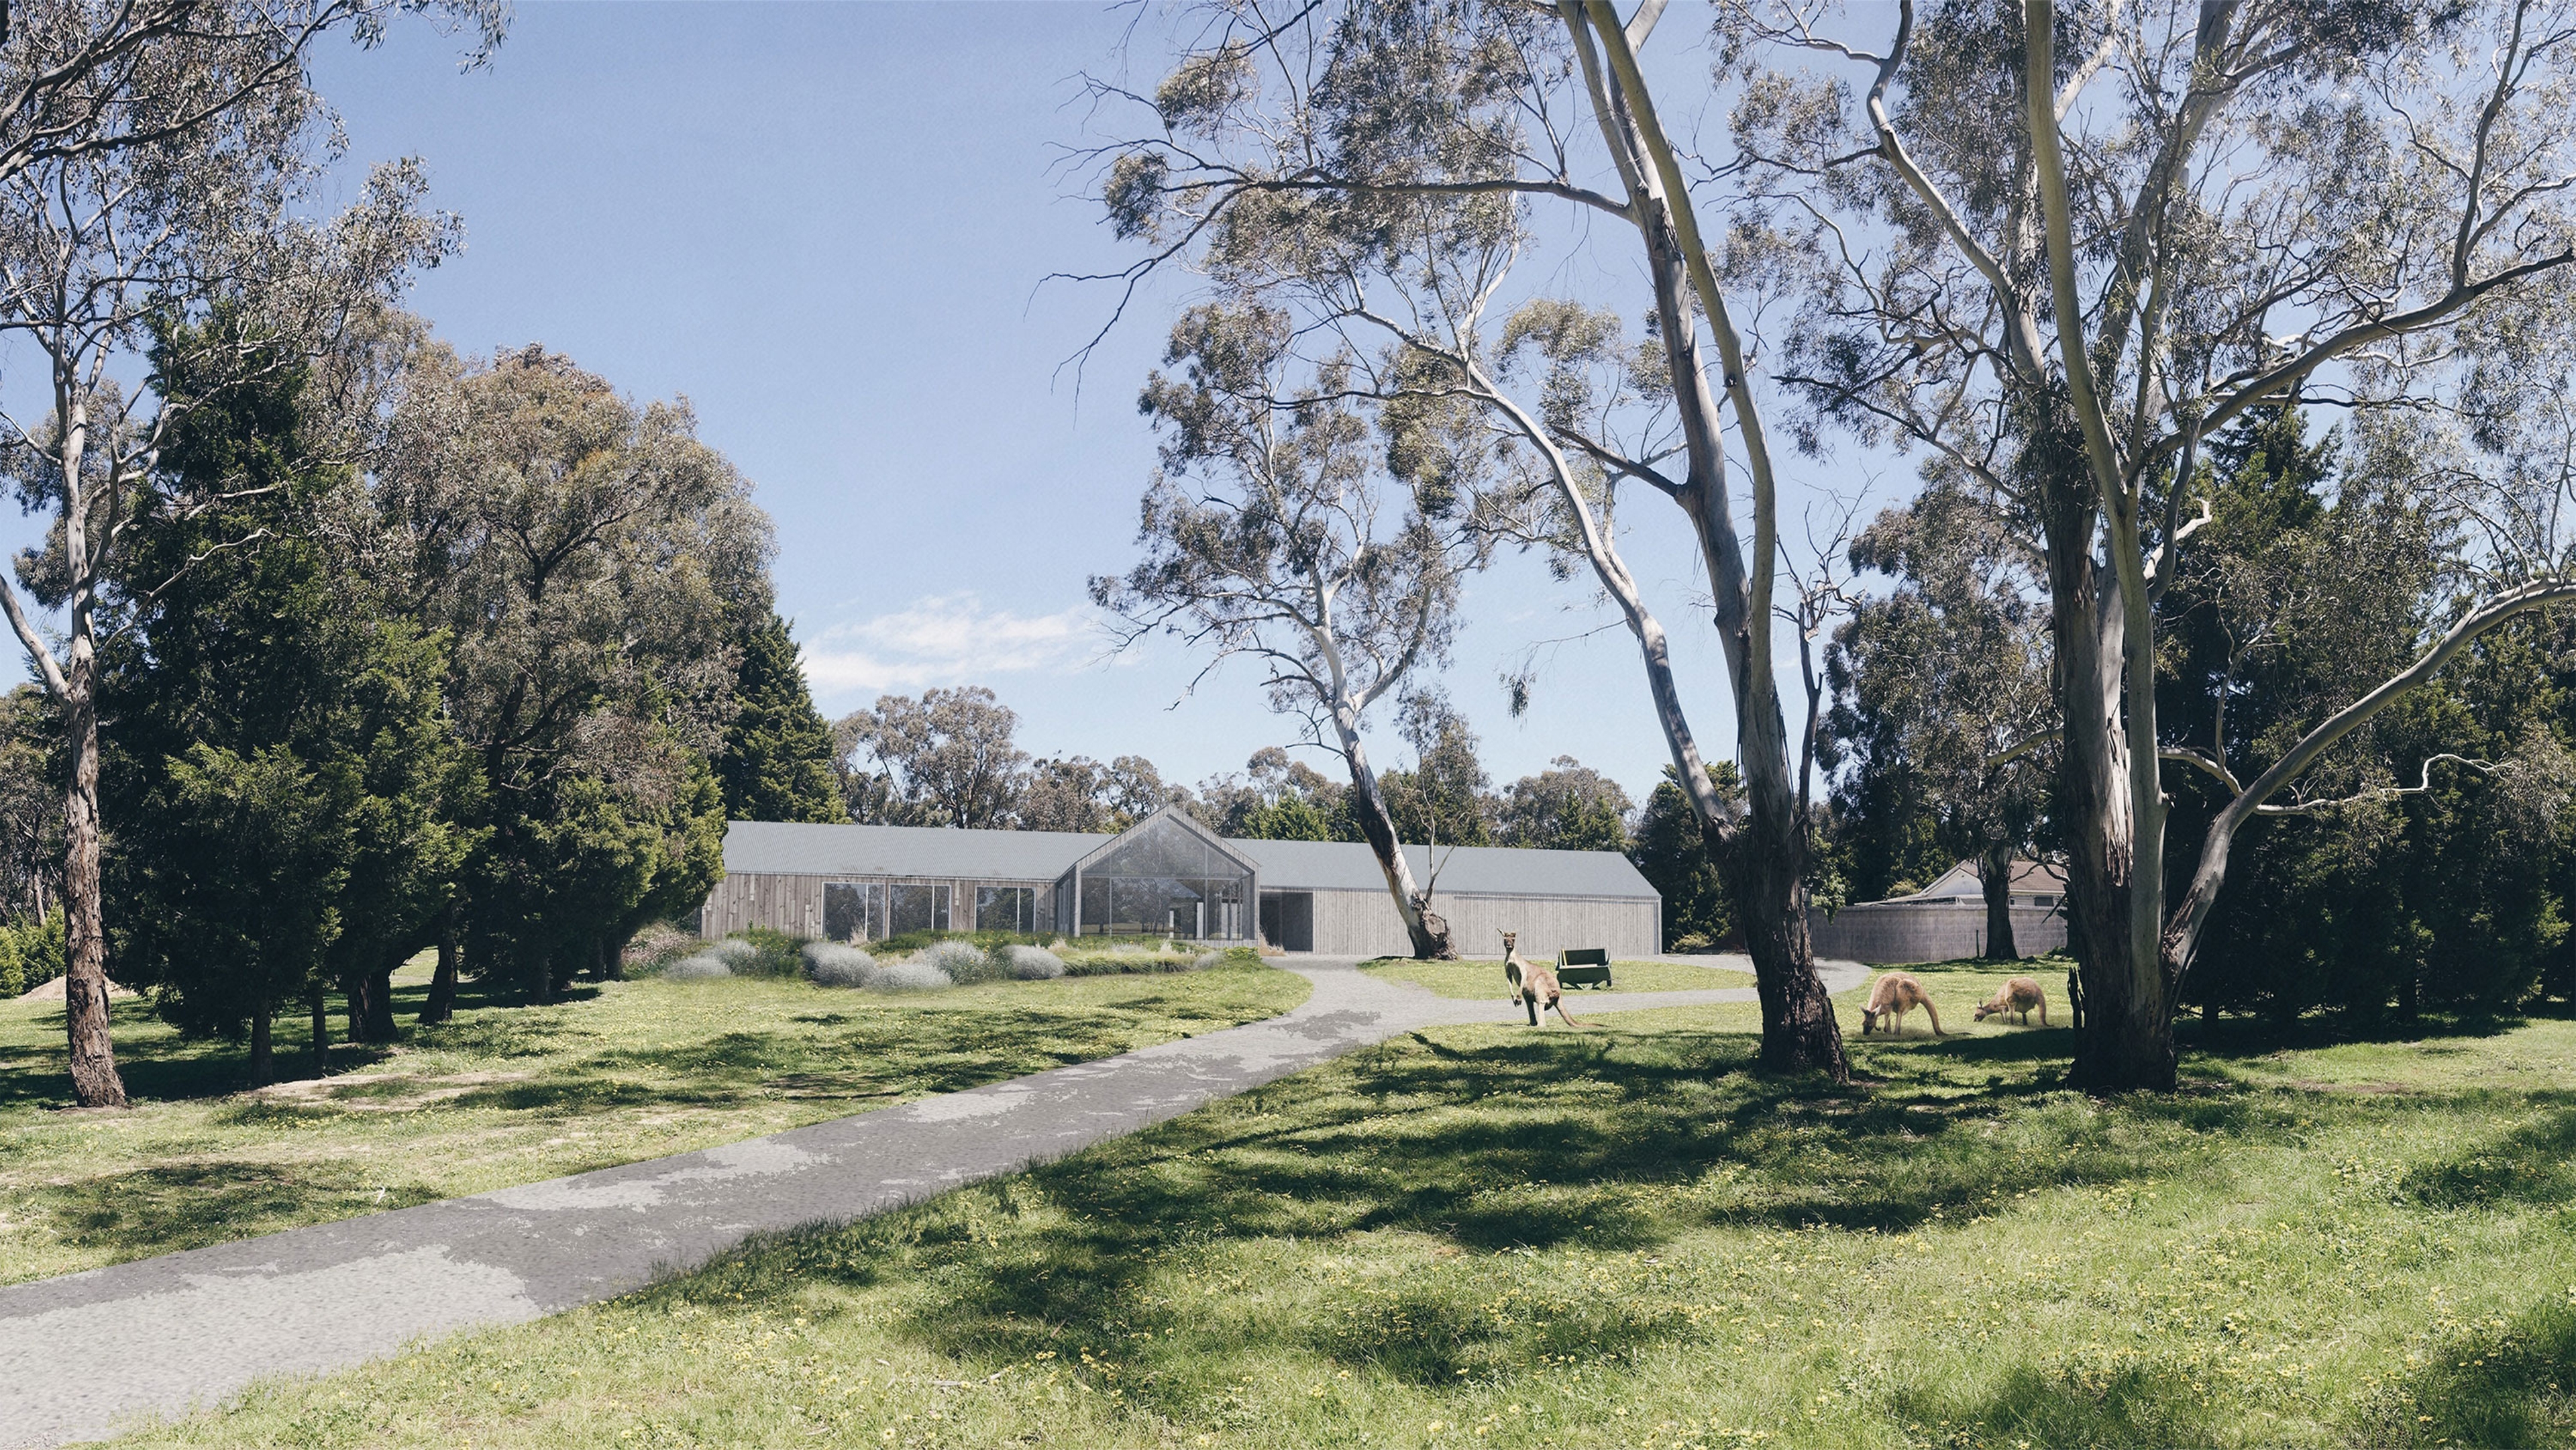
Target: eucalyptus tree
[2060,249]
[945,759]
[1274,532]
[1567,807]
[1944,679]
[596,567]
[1370,169]
[159,159]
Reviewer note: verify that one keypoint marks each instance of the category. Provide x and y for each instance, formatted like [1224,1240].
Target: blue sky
[827,226]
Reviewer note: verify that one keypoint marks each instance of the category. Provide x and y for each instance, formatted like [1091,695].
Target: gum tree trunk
[1994,872]
[1429,935]
[95,1081]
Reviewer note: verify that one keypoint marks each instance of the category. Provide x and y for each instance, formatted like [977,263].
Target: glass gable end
[1162,879]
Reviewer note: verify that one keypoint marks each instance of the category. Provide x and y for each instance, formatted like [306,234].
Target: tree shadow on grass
[2134,1406]
[2512,1389]
[188,1205]
[1525,1144]
[2534,1165]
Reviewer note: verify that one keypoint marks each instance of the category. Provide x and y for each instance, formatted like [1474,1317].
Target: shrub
[962,962]
[658,945]
[1030,964]
[732,950]
[32,953]
[831,964]
[1234,958]
[699,968]
[911,977]
[773,953]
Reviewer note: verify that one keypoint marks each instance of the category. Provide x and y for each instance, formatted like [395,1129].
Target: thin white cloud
[947,639]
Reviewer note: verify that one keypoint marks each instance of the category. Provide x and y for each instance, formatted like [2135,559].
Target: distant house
[1947,919]
[1167,875]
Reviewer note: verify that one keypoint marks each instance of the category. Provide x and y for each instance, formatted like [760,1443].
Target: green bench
[1583,967]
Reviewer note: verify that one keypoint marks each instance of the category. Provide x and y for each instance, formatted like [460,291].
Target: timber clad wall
[1896,932]
[792,904]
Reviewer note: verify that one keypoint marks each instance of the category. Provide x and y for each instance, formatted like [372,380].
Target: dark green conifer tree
[778,753]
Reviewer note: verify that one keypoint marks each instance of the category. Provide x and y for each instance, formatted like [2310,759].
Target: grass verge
[1481,1236]
[1475,979]
[504,1095]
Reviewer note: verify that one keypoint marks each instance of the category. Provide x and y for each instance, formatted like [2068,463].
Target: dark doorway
[1288,920]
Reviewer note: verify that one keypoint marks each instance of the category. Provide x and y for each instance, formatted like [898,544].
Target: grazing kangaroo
[1533,986]
[2021,994]
[1892,996]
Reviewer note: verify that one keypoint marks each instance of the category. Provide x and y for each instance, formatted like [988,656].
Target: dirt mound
[53,992]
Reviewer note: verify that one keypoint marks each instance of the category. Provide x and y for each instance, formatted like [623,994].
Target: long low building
[1167,876]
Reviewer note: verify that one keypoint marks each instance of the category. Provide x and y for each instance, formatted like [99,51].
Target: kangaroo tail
[1559,1005]
[1935,1014]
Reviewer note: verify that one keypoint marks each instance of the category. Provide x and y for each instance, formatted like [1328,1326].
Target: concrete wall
[1364,924]
[1893,932]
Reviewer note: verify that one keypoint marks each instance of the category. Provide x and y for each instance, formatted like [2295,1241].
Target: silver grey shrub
[913,976]
[733,951]
[832,964]
[961,962]
[1030,964]
[699,968]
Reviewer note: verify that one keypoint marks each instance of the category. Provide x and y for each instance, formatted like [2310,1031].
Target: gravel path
[88,1353]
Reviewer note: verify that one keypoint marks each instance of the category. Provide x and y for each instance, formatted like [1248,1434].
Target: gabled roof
[1180,819]
[1965,880]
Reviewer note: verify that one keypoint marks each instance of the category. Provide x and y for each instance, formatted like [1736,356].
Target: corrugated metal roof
[779,848]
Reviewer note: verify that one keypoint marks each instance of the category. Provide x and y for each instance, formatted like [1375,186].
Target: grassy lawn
[1485,1236]
[506,1095]
[1485,979]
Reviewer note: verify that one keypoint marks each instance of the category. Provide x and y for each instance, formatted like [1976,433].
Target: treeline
[490,681]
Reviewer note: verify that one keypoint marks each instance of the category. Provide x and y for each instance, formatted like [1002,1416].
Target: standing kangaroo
[2021,995]
[1892,996]
[1533,986]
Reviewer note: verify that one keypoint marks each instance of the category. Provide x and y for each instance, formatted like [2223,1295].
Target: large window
[1005,908]
[916,908]
[1163,879]
[853,911]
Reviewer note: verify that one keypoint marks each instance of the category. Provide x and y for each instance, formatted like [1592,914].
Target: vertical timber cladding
[1364,924]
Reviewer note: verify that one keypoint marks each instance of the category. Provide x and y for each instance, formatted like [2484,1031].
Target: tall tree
[2055,249]
[171,172]
[777,763]
[595,566]
[279,733]
[1369,163]
[1272,534]
[1277,799]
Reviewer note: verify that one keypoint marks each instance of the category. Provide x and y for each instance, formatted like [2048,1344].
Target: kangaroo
[1533,986]
[2021,994]
[1892,996]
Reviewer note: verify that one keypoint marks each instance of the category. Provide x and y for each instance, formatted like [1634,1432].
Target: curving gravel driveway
[86,1354]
